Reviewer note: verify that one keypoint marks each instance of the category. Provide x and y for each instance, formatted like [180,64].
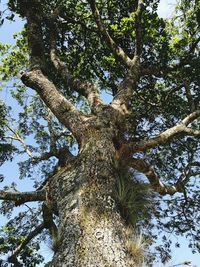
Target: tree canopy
[149,67]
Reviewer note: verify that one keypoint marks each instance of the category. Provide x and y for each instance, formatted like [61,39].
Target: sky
[10,170]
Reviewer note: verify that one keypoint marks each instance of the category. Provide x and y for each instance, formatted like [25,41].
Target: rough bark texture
[91,231]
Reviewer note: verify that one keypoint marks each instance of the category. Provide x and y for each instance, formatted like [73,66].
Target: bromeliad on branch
[101,170]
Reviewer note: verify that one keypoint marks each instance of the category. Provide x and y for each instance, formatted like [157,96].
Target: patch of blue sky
[10,169]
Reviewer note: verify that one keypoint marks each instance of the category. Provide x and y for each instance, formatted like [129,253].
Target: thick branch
[48,221]
[34,35]
[22,197]
[151,175]
[34,233]
[191,117]
[117,50]
[167,135]
[35,79]
[86,89]
[127,89]
[58,104]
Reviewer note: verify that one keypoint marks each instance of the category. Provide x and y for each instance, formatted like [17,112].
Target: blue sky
[10,170]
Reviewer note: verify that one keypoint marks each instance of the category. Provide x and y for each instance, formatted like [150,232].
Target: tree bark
[91,231]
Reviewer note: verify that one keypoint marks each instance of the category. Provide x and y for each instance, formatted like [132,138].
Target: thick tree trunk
[91,231]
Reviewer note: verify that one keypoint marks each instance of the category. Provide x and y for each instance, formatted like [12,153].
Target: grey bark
[91,231]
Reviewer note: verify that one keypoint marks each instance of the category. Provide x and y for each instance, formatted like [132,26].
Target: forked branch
[127,87]
[151,175]
[35,78]
[87,89]
[163,189]
[164,137]
[117,50]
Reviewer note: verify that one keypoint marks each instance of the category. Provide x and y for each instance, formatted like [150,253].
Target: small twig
[17,137]
[182,263]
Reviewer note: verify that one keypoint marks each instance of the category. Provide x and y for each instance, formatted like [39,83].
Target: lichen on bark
[93,231]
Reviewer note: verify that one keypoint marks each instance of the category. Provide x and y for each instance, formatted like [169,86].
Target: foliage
[160,101]
[6,148]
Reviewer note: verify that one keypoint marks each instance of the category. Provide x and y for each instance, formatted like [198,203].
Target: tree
[106,171]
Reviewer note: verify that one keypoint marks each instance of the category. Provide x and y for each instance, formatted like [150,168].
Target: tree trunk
[91,231]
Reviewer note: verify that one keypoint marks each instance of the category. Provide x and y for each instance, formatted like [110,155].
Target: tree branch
[117,50]
[138,28]
[167,135]
[151,175]
[126,89]
[189,96]
[195,163]
[182,263]
[49,118]
[35,37]
[61,153]
[35,79]
[191,117]
[141,166]
[17,137]
[88,90]
[22,197]
[44,156]
[34,233]
[58,104]
[48,221]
